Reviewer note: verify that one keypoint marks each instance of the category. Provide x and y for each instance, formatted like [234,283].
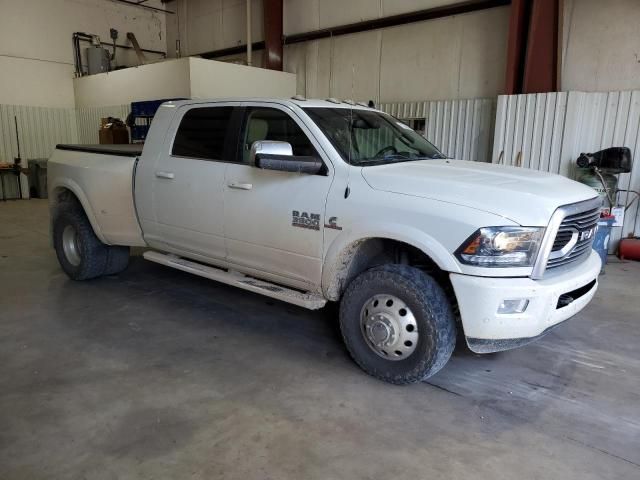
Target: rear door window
[203,133]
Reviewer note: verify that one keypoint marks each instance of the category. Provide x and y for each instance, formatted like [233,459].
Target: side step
[236,279]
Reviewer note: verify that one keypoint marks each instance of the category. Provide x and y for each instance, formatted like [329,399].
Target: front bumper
[488,331]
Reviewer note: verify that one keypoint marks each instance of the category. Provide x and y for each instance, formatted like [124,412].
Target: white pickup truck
[314,201]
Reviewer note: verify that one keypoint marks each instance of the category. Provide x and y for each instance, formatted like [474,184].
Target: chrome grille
[563,238]
[572,241]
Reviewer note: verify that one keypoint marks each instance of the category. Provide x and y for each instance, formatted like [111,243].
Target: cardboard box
[113,135]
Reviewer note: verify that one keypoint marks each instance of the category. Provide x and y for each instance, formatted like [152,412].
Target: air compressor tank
[590,178]
[629,249]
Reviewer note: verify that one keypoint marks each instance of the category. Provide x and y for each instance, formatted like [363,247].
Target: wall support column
[532,54]
[273,13]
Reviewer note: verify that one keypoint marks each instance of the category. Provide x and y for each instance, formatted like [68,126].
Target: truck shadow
[158,319]
[154,315]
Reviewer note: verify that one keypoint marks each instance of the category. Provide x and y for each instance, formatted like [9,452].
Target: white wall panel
[307,15]
[207,25]
[168,79]
[36,57]
[88,120]
[396,7]
[301,16]
[40,84]
[211,79]
[600,45]
[460,56]
[40,130]
[462,129]
[354,66]
[339,12]
[549,131]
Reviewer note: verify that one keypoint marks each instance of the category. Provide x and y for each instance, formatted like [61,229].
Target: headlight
[501,247]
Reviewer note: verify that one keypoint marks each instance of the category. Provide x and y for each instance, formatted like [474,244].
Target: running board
[236,279]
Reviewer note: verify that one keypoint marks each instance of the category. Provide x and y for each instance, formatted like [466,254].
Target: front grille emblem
[587,234]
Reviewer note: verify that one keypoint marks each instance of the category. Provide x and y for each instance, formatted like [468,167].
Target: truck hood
[527,197]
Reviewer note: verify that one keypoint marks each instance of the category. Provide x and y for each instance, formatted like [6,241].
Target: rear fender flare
[73,187]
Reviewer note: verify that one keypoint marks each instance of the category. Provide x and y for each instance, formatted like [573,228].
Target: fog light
[517,305]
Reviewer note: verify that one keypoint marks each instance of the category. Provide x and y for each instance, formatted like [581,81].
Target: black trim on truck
[121,150]
[485,345]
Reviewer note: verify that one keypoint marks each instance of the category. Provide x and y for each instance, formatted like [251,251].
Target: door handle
[168,175]
[241,186]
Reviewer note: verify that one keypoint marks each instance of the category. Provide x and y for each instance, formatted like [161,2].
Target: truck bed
[122,150]
[101,178]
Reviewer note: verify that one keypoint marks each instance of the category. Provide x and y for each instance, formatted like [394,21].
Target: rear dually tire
[80,253]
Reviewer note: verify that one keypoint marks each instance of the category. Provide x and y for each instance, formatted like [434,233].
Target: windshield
[364,137]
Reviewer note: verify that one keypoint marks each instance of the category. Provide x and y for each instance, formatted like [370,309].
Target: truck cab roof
[295,101]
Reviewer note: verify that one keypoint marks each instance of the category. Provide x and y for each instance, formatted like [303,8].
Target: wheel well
[59,196]
[373,252]
[63,195]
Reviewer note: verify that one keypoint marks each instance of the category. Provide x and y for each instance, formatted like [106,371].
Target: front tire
[81,254]
[397,324]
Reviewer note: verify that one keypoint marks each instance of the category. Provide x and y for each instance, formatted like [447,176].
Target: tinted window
[272,124]
[202,133]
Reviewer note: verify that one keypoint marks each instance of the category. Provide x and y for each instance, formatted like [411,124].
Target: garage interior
[155,373]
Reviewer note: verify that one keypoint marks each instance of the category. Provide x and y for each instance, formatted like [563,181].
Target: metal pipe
[397,20]
[77,36]
[240,49]
[85,37]
[141,5]
[249,33]
[392,21]
[129,47]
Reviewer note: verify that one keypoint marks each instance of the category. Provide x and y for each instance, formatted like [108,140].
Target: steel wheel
[71,245]
[389,327]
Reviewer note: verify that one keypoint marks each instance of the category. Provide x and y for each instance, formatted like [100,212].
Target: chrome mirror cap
[269,147]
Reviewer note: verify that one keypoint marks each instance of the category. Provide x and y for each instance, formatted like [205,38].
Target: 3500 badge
[306,220]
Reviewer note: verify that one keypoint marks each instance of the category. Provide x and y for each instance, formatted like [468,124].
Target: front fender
[341,250]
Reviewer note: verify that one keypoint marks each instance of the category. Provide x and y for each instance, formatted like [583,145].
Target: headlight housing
[501,247]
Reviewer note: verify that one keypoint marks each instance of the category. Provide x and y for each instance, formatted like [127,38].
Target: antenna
[347,191]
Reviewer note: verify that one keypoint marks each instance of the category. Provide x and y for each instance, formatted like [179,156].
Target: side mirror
[273,155]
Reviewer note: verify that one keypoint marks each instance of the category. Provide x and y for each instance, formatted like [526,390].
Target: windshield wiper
[388,159]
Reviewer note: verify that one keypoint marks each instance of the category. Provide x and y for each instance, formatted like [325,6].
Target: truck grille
[574,238]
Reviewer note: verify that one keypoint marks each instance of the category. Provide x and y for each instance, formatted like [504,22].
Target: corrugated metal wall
[40,130]
[462,129]
[549,131]
[88,120]
[540,131]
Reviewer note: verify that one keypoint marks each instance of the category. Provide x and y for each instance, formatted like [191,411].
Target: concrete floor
[158,374]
